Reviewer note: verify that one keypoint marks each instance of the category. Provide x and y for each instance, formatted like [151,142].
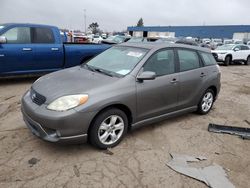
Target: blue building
[218,31]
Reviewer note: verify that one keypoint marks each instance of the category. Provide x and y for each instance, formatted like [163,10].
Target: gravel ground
[140,159]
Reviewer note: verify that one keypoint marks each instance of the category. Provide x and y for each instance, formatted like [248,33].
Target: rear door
[48,48]
[17,55]
[159,96]
[192,77]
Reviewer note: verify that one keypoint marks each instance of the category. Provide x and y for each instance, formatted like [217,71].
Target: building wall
[223,31]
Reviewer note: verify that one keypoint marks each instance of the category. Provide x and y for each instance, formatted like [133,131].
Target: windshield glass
[118,60]
[225,47]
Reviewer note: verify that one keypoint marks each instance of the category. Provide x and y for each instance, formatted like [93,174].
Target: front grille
[36,97]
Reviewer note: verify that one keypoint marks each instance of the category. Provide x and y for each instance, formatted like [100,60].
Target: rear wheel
[228,60]
[206,102]
[108,129]
[247,62]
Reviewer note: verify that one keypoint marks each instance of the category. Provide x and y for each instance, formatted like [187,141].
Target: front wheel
[108,129]
[228,61]
[247,62]
[206,102]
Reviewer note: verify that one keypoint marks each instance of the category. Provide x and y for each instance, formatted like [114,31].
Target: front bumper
[70,126]
[219,57]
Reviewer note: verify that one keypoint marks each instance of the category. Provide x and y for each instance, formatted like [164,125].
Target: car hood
[70,81]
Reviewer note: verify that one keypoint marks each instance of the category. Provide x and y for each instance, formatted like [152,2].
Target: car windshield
[116,61]
[225,47]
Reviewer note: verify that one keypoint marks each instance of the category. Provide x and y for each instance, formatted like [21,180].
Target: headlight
[67,102]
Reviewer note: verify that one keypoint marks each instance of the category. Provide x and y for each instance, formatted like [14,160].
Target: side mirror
[147,75]
[236,49]
[3,40]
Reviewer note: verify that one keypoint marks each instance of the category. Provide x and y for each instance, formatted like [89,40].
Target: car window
[238,46]
[42,35]
[18,35]
[244,47]
[208,59]
[188,60]
[162,63]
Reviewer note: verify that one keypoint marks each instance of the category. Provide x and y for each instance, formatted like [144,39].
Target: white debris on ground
[214,176]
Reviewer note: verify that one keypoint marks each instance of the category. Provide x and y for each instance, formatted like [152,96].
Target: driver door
[158,96]
[17,54]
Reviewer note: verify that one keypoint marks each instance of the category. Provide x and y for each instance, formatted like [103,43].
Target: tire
[228,61]
[206,102]
[247,62]
[108,128]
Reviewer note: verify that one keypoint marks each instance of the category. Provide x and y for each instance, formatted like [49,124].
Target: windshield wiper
[94,69]
[103,72]
[89,67]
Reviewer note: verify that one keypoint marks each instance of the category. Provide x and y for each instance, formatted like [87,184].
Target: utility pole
[85,27]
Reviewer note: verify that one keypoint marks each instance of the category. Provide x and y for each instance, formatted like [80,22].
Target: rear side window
[244,47]
[18,35]
[208,59]
[188,60]
[162,63]
[43,35]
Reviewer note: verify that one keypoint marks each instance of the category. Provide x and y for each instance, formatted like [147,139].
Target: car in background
[117,39]
[238,41]
[228,41]
[97,39]
[206,40]
[137,39]
[39,49]
[230,53]
[187,42]
[125,87]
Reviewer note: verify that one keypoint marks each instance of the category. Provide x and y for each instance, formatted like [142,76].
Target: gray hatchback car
[126,86]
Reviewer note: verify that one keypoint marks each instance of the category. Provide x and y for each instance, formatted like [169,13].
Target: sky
[117,15]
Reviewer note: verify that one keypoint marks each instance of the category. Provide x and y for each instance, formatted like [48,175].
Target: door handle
[174,81]
[202,75]
[2,55]
[54,49]
[27,49]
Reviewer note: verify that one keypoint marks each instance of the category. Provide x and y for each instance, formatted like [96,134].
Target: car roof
[27,24]
[157,46]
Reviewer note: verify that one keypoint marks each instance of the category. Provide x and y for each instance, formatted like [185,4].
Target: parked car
[97,39]
[232,53]
[238,41]
[117,39]
[127,86]
[31,48]
[187,41]
[228,41]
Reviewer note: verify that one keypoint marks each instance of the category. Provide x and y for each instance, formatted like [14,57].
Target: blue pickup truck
[32,48]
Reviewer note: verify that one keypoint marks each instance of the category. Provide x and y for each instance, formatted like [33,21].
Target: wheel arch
[119,106]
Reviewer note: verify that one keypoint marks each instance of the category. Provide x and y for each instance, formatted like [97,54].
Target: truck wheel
[228,61]
[108,129]
[247,62]
[206,102]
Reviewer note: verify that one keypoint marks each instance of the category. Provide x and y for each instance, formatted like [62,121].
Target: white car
[97,39]
[232,53]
